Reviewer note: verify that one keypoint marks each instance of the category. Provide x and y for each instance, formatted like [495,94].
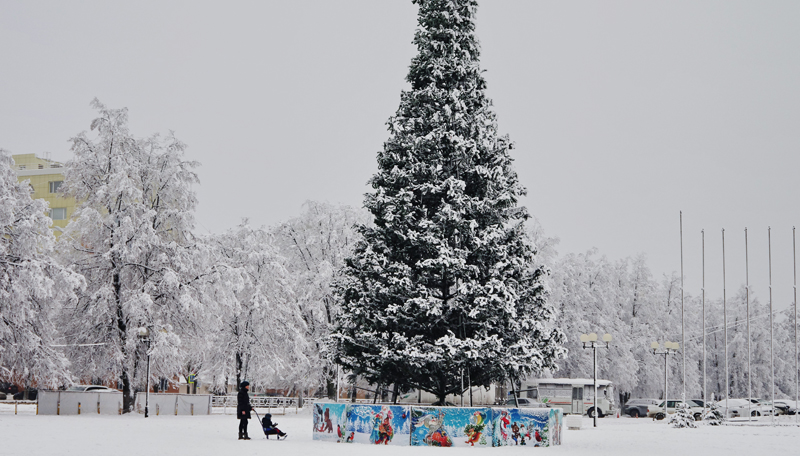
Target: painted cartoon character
[538,437]
[504,422]
[474,429]
[339,433]
[437,436]
[319,425]
[472,436]
[375,435]
[328,422]
[351,437]
[515,433]
[385,431]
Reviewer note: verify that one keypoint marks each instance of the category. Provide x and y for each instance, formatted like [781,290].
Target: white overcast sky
[623,112]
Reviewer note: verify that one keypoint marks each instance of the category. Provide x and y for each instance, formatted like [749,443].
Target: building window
[58,213]
[55,185]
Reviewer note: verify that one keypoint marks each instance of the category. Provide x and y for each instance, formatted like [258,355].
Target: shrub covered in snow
[713,415]
[682,417]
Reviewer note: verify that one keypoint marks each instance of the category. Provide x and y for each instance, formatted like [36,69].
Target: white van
[573,395]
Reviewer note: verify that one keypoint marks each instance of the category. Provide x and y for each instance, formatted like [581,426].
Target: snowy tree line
[593,294]
[257,303]
[249,303]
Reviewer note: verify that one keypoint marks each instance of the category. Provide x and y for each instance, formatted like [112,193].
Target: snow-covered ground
[92,435]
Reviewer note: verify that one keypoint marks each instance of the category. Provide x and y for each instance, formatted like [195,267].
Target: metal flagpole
[683,338]
[703,291]
[771,339]
[796,370]
[747,290]
[725,322]
[596,408]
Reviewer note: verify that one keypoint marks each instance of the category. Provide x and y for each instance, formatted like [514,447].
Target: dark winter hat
[244,383]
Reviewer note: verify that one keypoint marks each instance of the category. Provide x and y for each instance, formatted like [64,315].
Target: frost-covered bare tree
[315,245]
[32,286]
[254,331]
[129,239]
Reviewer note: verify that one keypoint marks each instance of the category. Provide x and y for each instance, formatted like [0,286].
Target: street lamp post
[669,348]
[144,336]
[590,341]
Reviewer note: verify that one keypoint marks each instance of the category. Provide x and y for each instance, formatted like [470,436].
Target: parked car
[638,407]
[787,406]
[2,396]
[657,411]
[739,407]
[94,388]
[21,395]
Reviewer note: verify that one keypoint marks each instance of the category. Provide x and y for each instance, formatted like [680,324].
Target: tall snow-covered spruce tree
[443,290]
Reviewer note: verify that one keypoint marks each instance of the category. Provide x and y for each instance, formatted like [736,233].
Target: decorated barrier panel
[330,421]
[451,426]
[378,424]
[437,426]
[528,426]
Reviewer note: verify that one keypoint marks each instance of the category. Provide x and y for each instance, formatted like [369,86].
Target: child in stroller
[271,428]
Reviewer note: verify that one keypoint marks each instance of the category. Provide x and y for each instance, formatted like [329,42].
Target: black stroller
[271,428]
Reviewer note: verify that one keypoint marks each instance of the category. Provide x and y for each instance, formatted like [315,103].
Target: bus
[573,395]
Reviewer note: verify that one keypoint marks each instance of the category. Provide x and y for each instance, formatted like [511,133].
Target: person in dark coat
[243,408]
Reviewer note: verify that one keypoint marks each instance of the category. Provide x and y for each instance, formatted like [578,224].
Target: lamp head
[584,338]
[607,338]
[593,337]
[654,346]
[143,332]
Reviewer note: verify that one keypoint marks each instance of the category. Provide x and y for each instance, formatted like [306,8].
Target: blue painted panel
[379,424]
[451,426]
[330,421]
[534,427]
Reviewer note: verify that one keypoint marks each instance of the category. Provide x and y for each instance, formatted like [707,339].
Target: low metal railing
[279,403]
[16,407]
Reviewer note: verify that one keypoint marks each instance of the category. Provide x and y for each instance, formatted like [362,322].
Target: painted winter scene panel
[330,421]
[451,427]
[379,424]
[535,427]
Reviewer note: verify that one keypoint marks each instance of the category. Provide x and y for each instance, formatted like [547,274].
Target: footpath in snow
[215,435]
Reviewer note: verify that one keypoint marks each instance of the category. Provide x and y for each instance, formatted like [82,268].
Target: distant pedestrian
[243,408]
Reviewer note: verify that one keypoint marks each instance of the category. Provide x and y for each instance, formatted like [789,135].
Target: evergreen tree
[444,289]
[682,418]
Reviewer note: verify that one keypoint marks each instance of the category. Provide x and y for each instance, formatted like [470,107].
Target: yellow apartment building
[46,176]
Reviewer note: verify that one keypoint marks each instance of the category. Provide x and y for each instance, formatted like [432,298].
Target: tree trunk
[122,327]
[238,370]
[330,384]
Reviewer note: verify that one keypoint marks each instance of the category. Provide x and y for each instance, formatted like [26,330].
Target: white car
[657,411]
[739,407]
[93,388]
